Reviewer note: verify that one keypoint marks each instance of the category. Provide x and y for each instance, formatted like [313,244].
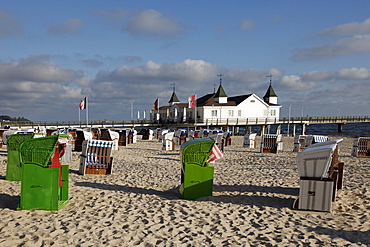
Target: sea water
[348,130]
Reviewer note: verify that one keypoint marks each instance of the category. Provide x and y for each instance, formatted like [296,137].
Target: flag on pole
[155,105]
[82,104]
[215,154]
[192,100]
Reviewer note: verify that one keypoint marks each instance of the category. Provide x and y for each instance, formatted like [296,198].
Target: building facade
[220,108]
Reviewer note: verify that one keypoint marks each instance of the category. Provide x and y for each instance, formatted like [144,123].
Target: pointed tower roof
[270,92]
[174,98]
[220,92]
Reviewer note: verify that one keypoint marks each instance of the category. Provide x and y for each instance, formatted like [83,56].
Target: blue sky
[123,53]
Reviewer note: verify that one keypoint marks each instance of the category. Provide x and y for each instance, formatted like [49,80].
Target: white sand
[139,204]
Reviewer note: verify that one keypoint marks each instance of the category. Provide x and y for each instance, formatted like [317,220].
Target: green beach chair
[196,175]
[44,183]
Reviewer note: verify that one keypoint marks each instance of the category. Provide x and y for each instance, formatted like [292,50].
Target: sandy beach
[139,204]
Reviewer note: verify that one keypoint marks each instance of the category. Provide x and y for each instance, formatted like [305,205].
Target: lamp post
[290,106]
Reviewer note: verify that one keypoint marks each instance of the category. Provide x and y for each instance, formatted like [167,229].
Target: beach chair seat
[250,140]
[96,157]
[271,143]
[361,147]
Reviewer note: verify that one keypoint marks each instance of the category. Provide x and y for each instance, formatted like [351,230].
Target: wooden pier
[233,123]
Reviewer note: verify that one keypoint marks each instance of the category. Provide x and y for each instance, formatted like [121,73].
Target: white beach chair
[168,142]
[96,157]
[299,143]
[271,143]
[361,147]
[321,175]
[250,140]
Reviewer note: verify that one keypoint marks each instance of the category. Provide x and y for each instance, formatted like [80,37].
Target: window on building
[231,113]
[273,113]
[214,113]
[252,101]
[239,113]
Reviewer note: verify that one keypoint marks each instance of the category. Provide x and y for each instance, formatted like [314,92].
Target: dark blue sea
[348,130]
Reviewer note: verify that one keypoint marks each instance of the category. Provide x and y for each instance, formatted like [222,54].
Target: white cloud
[151,23]
[358,44]
[295,83]
[352,28]
[70,26]
[355,73]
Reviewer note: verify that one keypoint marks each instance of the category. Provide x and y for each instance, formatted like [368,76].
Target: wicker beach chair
[271,143]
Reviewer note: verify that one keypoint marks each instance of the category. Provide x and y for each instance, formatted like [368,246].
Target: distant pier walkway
[233,123]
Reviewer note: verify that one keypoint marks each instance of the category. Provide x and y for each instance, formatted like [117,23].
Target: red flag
[215,154]
[192,100]
[82,104]
[155,105]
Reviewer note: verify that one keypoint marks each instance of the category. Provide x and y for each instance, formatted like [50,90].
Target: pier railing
[199,122]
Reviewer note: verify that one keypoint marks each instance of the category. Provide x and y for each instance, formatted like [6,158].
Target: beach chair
[299,143]
[361,147]
[44,183]
[196,174]
[321,176]
[110,135]
[13,167]
[180,136]
[168,142]
[312,139]
[227,138]
[81,136]
[123,135]
[271,143]
[132,136]
[250,140]
[145,134]
[96,157]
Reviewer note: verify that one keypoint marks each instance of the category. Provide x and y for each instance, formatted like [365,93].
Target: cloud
[358,44]
[294,83]
[151,23]
[247,24]
[70,26]
[348,29]
[94,63]
[355,73]
[187,70]
[35,69]
[8,25]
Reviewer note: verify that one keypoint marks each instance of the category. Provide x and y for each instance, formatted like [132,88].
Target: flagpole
[87,113]
[195,113]
[79,116]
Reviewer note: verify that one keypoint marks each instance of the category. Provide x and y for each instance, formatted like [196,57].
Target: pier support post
[340,127]
[263,130]
[294,128]
[303,129]
[278,129]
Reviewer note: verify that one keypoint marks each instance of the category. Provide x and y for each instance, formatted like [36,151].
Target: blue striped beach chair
[96,157]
